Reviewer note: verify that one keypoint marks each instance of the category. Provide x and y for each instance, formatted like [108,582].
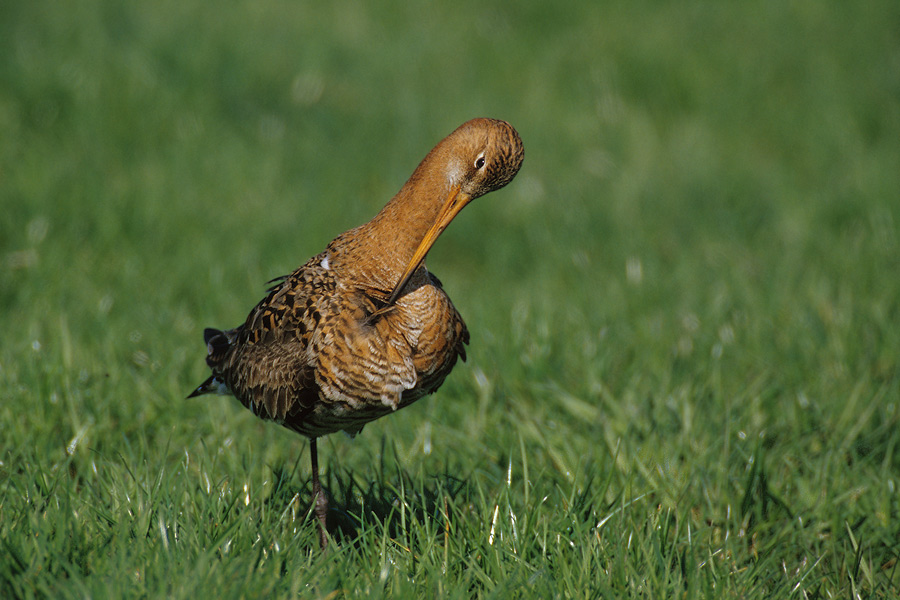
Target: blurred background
[700,251]
[696,175]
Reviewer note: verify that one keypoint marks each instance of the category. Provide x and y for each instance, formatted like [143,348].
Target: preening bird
[363,329]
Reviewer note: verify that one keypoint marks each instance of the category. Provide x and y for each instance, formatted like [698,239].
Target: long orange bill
[454,203]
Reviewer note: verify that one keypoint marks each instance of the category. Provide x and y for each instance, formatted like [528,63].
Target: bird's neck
[375,254]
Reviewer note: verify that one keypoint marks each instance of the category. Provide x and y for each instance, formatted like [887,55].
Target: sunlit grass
[683,376]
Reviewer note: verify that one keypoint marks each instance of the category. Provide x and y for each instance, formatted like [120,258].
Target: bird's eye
[479,162]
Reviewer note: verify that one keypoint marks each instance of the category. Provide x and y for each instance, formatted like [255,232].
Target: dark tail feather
[207,387]
[218,344]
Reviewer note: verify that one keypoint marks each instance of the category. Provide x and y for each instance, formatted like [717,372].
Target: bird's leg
[320,501]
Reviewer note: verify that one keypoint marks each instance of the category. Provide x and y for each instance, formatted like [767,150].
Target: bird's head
[480,156]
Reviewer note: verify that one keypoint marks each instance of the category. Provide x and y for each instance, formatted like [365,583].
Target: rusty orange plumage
[363,329]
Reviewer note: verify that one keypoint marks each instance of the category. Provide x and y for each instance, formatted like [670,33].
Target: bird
[363,329]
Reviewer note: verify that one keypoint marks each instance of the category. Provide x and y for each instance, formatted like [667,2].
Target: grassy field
[684,373]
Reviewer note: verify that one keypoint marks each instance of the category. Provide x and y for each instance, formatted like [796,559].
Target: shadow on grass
[391,505]
[388,498]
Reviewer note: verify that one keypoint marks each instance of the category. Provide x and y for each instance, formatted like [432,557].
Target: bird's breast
[394,357]
[433,329]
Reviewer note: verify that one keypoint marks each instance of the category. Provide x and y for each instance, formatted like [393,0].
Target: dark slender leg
[320,501]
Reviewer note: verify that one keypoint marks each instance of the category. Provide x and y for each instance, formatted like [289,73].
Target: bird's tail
[210,386]
[218,344]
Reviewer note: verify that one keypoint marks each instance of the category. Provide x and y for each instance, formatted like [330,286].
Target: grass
[685,368]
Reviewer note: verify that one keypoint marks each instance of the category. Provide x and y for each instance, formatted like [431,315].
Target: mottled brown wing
[269,366]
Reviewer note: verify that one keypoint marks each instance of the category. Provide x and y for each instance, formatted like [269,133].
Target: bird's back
[312,357]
